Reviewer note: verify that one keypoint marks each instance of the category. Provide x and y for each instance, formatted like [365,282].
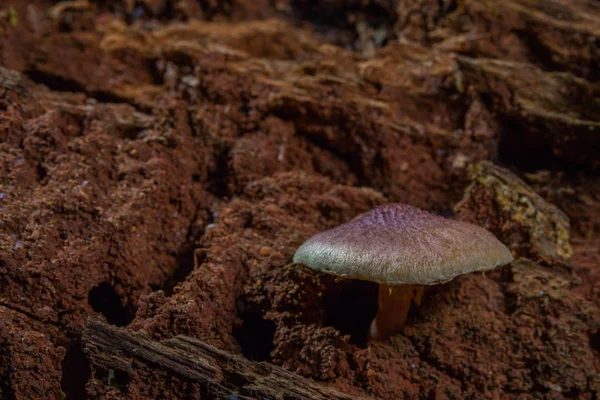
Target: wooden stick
[222,374]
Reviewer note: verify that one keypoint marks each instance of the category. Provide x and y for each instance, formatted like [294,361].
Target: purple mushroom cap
[397,244]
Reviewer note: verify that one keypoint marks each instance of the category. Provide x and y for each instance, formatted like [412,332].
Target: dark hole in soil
[185,262]
[325,14]
[350,306]
[530,148]
[522,148]
[255,336]
[219,176]
[106,301]
[59,84]
[595,341]
[5,383]
[75,371]
[487,100]
[107,97]
[42,172]
[55,82]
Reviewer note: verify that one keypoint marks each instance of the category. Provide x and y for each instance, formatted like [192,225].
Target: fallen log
[223,374]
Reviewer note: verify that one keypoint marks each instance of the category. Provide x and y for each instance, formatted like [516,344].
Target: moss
[12,16]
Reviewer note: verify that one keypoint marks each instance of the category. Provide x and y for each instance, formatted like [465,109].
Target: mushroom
[402,248]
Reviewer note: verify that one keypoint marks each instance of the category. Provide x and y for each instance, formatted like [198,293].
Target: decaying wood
[543,228]
[223,374]
[11,80]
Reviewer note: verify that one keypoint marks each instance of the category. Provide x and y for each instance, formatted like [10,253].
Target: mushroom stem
[394,303]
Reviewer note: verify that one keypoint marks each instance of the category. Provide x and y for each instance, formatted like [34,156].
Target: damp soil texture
[161,161]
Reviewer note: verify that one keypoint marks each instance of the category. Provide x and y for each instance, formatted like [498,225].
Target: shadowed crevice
[595,341]
[350,306]
[255,336]
[76,371]
[105,300]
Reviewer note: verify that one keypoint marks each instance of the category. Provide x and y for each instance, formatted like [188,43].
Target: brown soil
[161,160]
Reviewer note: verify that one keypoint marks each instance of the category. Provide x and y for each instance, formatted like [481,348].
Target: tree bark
[223,374]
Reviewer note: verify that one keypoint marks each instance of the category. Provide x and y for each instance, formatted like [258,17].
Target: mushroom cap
[397,244]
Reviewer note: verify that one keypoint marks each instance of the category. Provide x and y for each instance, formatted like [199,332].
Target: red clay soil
[137,137]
